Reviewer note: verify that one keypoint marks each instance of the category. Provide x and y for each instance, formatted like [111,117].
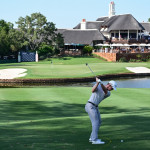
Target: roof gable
[102,19]
[123,22]
[146,25]
[90,25]
[82,36]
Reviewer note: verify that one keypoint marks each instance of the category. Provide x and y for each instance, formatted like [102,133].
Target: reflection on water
[133,83]
[122,83]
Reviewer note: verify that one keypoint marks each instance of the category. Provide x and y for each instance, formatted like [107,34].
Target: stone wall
[117,56]
[71,52]
[107,56]
[70,80]
[136,56]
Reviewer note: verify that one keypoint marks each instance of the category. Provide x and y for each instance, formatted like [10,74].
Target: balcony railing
[130,41]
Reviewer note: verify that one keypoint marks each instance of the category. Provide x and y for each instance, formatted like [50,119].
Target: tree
[4,38]
[148,19]
[17,40]
[31,27]
[59,43]
[38,31]
[87,50]
[46,50]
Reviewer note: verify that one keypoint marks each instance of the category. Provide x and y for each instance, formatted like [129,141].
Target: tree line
[33,33]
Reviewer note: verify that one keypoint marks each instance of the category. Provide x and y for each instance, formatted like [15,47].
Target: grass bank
[70,67]
[54,118]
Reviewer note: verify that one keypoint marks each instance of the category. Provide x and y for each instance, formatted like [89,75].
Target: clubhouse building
[109,30]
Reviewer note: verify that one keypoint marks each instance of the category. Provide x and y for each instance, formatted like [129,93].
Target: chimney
[111,9]
[83,24]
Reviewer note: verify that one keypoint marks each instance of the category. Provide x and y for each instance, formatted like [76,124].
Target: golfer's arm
[95,87]
[104,89]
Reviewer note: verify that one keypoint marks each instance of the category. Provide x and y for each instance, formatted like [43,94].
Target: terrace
[116,51]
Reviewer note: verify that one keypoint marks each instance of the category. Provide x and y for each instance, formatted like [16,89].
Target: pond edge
[69,80]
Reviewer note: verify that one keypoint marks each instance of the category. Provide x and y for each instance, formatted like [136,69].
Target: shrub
[144,59]
[48,59]
[138,56]
[45,50]
[138,60]
[132,60]
[123,59]
[87,50]
[42,57]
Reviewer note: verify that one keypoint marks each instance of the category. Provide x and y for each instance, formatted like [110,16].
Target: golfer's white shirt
[98,95]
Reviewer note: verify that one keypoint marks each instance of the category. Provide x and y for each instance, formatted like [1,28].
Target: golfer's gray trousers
[95,118]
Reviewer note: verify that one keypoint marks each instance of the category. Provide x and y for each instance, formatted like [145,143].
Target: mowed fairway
[70,67]
[53,118]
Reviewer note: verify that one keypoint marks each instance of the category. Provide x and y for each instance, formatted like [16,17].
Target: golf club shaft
[91,70]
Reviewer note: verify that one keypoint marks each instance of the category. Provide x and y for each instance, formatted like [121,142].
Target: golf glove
[99,81]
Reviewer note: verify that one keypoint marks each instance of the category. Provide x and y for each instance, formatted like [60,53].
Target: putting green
[54,118]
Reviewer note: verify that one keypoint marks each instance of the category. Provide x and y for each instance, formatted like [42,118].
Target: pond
[121,82]
[133,83]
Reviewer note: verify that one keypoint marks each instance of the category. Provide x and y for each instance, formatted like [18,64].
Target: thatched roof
[90,25]
[146,25]
[78,26]
[117,22]
[92,31]
[60,30]
[82,36]
[102,19]
[122,22]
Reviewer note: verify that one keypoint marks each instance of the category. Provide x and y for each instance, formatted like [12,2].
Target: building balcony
[130,41]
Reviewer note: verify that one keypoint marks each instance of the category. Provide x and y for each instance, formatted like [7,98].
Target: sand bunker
[12,73]
[138,69]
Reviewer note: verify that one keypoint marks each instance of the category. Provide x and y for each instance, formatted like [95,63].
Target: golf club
[91,69]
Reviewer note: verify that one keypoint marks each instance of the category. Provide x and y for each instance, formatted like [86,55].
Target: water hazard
[133,83]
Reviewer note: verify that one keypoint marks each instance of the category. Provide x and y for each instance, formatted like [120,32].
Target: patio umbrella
[134,44]
[99,44]
[114,44]
[126,45]
[119,44]
[147,44]
[67,44]
[73,44]
[106,45]
[142,44]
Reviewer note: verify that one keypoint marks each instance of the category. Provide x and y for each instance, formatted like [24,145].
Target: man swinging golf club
[99,93]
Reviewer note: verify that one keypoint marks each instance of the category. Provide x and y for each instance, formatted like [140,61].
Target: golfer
[99,93]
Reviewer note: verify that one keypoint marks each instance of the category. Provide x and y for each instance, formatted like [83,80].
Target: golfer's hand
[99,81]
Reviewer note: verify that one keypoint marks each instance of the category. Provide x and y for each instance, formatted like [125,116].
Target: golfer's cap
[113,84]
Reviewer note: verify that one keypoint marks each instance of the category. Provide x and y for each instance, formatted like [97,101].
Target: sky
[66,14]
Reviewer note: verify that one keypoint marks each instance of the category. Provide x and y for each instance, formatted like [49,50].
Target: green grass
[69,67]
[54,118]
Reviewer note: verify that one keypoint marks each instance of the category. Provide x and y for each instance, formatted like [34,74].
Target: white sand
[138,69]
[12,73]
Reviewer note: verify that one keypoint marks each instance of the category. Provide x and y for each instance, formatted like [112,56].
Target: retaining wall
[69,80]
[136,56]
[116,56]
[107,56]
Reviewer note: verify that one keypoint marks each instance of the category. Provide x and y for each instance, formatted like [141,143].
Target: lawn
[68,67]
[53,118]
